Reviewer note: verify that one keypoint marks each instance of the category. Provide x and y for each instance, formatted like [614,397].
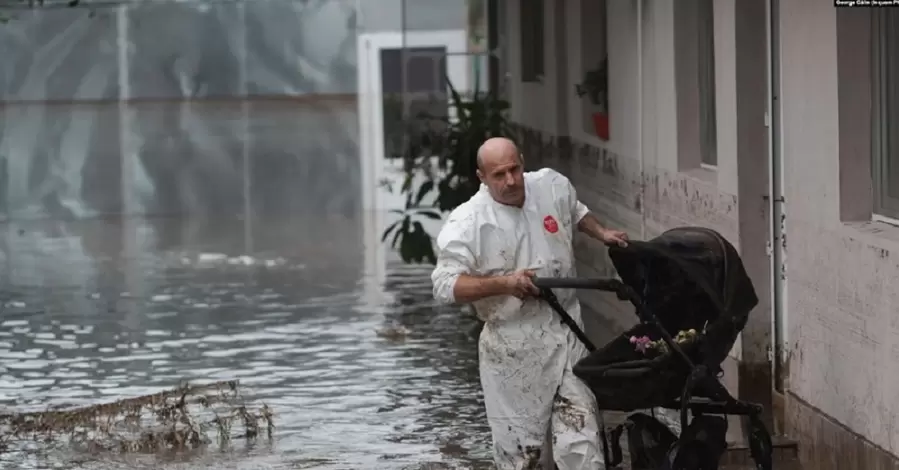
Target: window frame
[885,206]
[586,125]
[707,96]
[577,122]
[532,40]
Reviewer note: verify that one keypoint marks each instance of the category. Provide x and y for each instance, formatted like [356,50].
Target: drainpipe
[126,177]
[640,119]
[776,203]
[404,61]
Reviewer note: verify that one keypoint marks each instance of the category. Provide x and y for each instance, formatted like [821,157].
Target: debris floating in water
[393,332]
[216,259]
[244,260]
[184,418]
[211,257]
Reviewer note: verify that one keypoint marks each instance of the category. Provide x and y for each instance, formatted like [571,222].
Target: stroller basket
[623,379]
[693,297]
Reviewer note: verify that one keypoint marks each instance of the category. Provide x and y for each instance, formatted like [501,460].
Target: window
[531,38]
[593,85]
[708,132]
[694,77]
[885,118]
[425,91]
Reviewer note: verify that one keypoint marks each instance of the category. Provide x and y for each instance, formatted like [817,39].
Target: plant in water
[439,162]
[184,418]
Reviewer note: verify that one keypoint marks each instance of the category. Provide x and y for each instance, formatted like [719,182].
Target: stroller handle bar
[610,285]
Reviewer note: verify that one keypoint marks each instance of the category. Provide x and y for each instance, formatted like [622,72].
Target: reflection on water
[95,311]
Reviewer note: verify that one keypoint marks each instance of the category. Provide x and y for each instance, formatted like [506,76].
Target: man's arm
[468,288]
[589,224]
[454,277]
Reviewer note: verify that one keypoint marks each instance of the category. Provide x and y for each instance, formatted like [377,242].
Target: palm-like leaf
[443,151]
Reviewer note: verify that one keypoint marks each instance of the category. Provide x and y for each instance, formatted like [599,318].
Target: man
[517,226]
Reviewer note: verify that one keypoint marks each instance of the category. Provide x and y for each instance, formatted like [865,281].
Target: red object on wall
[601,124]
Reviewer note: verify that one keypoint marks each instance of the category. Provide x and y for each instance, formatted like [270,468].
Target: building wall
[647,178]
[842,267]
[840,308]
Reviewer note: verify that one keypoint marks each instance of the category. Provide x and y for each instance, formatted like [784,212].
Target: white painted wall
[623,85]
[533,104]
[842,275]
[842,305]
[671,196]
[638,181]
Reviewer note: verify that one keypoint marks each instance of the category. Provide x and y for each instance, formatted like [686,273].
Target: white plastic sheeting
[137,108]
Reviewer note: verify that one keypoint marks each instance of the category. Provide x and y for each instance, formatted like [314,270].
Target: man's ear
[480,175]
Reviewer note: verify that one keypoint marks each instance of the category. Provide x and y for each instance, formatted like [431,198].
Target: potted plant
[596,86]
[439,162]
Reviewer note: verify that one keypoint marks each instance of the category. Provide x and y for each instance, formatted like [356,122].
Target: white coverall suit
[538,411]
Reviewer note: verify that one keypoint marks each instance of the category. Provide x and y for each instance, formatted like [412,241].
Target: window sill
[876,233]
[583,137]
[705,174]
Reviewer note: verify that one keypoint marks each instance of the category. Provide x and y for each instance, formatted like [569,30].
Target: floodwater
[360,367]
[101,310]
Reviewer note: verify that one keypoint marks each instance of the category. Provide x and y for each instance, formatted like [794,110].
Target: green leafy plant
[441,154]
[595,84]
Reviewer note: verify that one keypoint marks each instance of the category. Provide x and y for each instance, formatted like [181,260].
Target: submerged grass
[187,417]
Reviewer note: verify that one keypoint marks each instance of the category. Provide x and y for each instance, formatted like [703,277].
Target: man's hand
[519,284]
[614,237]
[590,225]
[470,288]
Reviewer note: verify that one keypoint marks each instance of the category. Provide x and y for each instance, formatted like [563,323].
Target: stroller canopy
[691,276]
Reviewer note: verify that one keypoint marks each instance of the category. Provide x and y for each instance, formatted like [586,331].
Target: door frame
[371,107]
[377,201]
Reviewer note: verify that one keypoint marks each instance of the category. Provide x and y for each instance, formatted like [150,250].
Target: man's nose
[510,180]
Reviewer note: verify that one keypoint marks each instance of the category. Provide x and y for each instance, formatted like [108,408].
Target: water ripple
[297,332]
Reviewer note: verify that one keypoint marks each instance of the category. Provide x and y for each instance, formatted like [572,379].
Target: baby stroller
[693,297]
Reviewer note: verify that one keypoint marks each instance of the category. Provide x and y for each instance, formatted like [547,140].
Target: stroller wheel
[701,444]
[691,457]
[760,446]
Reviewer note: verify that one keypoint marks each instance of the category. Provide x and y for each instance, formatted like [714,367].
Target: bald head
[496,150]
[501,169]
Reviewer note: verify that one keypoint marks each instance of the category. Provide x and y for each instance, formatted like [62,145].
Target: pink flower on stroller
[641,343]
